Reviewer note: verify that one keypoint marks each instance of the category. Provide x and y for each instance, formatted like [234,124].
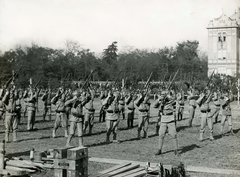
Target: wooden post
[2,153]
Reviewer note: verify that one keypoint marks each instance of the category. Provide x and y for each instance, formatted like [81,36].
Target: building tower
[224,44]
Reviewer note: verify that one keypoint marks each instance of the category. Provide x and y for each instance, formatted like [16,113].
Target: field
[223,153]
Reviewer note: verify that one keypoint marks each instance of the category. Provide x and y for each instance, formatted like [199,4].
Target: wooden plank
[130,172]
[124,169]
[70,164]
[138,174]
[13,172]
[116,167]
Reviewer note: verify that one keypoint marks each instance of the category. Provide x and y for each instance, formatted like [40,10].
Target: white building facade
[224,44]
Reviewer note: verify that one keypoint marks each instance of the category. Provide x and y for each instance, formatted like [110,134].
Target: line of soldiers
[75,109]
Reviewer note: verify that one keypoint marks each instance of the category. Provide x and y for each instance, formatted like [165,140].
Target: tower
[224,44]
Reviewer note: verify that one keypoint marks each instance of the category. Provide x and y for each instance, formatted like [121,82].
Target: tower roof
[224,21]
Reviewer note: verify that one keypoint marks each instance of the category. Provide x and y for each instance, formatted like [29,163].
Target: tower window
[224,37]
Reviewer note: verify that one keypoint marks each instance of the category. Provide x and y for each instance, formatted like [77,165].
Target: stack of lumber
[123,170]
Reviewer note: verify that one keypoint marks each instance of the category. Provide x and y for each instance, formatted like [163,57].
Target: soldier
[216,107]
[89,113]
[31,107]
[130,109]
[226,113]
[76,116]
[25,95]
[112,115]
[121,104]
[167,121]
[203,102]
[10,100]
[102,114]
[158,105]
[61,113]
[46,98]
[143,105]
[192,105]
[2,109]
[179,105]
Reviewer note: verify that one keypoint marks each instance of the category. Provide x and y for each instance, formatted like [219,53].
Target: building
[224,44]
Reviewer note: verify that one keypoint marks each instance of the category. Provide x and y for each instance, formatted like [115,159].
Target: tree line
[74,63]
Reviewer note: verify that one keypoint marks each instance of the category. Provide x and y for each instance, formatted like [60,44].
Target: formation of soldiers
[74,109]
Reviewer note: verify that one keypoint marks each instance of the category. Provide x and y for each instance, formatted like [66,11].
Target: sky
[95,24]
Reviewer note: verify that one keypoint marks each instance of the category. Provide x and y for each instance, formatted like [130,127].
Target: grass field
[221,153]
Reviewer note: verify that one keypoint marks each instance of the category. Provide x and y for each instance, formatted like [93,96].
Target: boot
[159,152]
[231,132]
[108,138]
[145,134]
[90,129]
[66,133]
[157,129]
[211,136]
[139,134]
[54,134]
[7,137]
[14,136]
[69,140]
[80,139]
[115,138]
[201,136]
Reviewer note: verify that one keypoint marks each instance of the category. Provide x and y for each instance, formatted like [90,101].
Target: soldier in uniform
[158,105]
[192,103]
[25,95]
[46,98]
[31,107]
[226,113]
[76,117]
[10,101]
[102,114]
[167,121]
[121,104]
[89,113]
[179,105]
[112,115]
[61,113]
[203,102]
[2,110]
[216,107]
[130,109]
[143,105]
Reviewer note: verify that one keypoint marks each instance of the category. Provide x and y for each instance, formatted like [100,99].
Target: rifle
[116,80]
[87,80]
[38,82]
[12,78]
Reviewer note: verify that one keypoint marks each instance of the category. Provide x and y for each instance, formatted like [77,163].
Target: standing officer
[11,121]
[46,98]
[203,102]
[226,113]
[130,109]
[112,115]
[167,121]
[192,103]
[31,107]
[143,114]
[61,115]
[89,113]
[76,117]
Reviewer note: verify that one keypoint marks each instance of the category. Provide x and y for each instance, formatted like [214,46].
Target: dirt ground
[221,153]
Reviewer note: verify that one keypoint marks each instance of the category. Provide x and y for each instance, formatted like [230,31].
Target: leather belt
[168,114]
[60,111]
[111,111]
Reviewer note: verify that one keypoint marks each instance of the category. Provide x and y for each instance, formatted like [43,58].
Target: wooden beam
[130,172]
[124,169]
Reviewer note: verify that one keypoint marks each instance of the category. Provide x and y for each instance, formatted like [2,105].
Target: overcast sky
[97,23]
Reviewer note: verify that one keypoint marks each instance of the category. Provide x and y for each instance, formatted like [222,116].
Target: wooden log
[130,172]
[61,152]
[77,153]
[21,164]
[70,164]
[124,169]
[12,168]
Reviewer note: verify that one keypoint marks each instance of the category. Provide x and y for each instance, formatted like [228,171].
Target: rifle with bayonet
[6,85]
[116,80]
[87,80]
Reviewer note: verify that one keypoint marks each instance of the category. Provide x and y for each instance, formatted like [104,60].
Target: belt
[80,116]
[122,104]
[205,111]
[143,110]
[168,114]
[131,108]
[60,111]
[111,111]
